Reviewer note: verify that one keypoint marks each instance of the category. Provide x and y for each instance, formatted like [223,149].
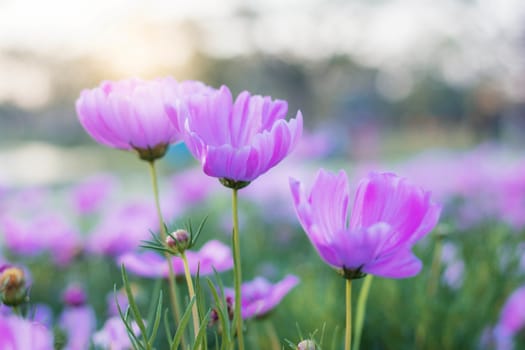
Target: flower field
[270,237]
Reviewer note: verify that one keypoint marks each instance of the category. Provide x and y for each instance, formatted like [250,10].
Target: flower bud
[74,296]
[178,240]
[306,344]
[13,289]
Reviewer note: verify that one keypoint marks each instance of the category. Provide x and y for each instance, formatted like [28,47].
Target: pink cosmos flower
[236,140]
[260,296]
[114,335]
[129,115]
[18,333]
[47,232]
[123,229]
[90,195]
[388,217]
[512,318]
[213,255]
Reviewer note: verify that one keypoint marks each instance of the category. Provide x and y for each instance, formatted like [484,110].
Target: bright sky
[462,39]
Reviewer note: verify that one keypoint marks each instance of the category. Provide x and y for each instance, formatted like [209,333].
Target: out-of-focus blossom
[389,216]
[314,145]
[112,299]
[213,255]
[41,313]
[89,195]
[259,296]
[512,317]
[511,321]
[114,335]
[78,319]
[454,267]
[129,114]
[123,229]
[20,334]
[46,233]
[74,295]
[190,187]
[79,323]
[236,141]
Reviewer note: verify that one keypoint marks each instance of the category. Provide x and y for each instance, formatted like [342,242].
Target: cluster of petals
[389,215]
[128,114]
[17,333]
[259,296]
[236,140]
[213,256]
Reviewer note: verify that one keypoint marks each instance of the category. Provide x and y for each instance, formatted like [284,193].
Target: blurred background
[385,78]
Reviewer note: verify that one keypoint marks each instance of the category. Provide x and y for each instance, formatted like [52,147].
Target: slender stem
[191,291]
[348,333]
[434,271]
[163,234]
[272,335]
[237,274]
[360,314]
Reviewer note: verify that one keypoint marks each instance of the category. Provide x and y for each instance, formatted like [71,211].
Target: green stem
[191,291]
[348,333]
[272,335]
[237,274]
[360,314]
[434,271]
[163,234]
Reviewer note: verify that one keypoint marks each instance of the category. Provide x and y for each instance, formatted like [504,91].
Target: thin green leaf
[134,308]
[202,333]
[182,325]
[125,318]
[156,323]
[167,328]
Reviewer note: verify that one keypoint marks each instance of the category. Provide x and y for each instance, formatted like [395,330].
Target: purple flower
[129,115]
[90,195]
[213,255]
[21,334]
[388,217]
[79,324]
[123,229]
[114,335]
[47,232]
[240,140]
[260,296]
[74,295]
[512,317]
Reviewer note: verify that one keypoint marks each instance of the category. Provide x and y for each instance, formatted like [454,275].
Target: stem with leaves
[163,235]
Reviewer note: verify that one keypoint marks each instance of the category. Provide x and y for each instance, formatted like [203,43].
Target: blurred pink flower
[388,217]
[236,140]
[123,229]
[114,335]
[259,296]
[512,317]
[90,195]
[213,255]
[21,334]
[79,323]
[129,114]
[45,233]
